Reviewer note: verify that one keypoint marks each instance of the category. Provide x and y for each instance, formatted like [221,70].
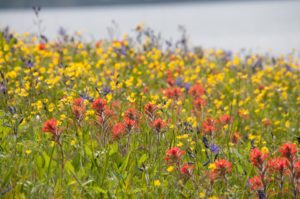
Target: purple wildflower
[179,82]
[214,148]
[105,90]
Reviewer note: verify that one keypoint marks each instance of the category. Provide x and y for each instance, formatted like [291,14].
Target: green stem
[51,157]
[62,160]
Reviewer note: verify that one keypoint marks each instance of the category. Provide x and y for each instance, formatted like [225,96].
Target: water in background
[258,26]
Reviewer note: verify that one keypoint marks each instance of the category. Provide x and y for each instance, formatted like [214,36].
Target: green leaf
[69,167]
[46,159]
[125,163]
[114,149]
[87,182]
[142,159]
[99,190]
[88,151]
[240,169]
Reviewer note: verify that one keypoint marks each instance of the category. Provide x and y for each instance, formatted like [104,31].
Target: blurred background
[259,26]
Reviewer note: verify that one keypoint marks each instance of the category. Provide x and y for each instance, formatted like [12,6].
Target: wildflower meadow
[142,117]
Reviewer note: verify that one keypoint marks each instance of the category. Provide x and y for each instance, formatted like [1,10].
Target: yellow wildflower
[156,183]
[170,169]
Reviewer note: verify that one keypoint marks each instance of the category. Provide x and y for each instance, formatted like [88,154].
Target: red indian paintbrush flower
[170,79]
[42,46]
[225,119]
[255,183]
[187,169]
[257,157]
[129,123]
[212,175]
[131,114]
[78,112]
[288,150]
[118,130]
[99,105]
[297,169]
[278,164]
[105,116]
[173,93]
[223,167]
[78,102]
[79,108]
[50,126]
[235,138]
[196,91]
[209,125]
[150,109]
[266,122]
[177,93]
[158,124]
[174,155]
[199,103]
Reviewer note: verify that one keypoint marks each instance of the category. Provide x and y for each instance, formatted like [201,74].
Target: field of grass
[141,118]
